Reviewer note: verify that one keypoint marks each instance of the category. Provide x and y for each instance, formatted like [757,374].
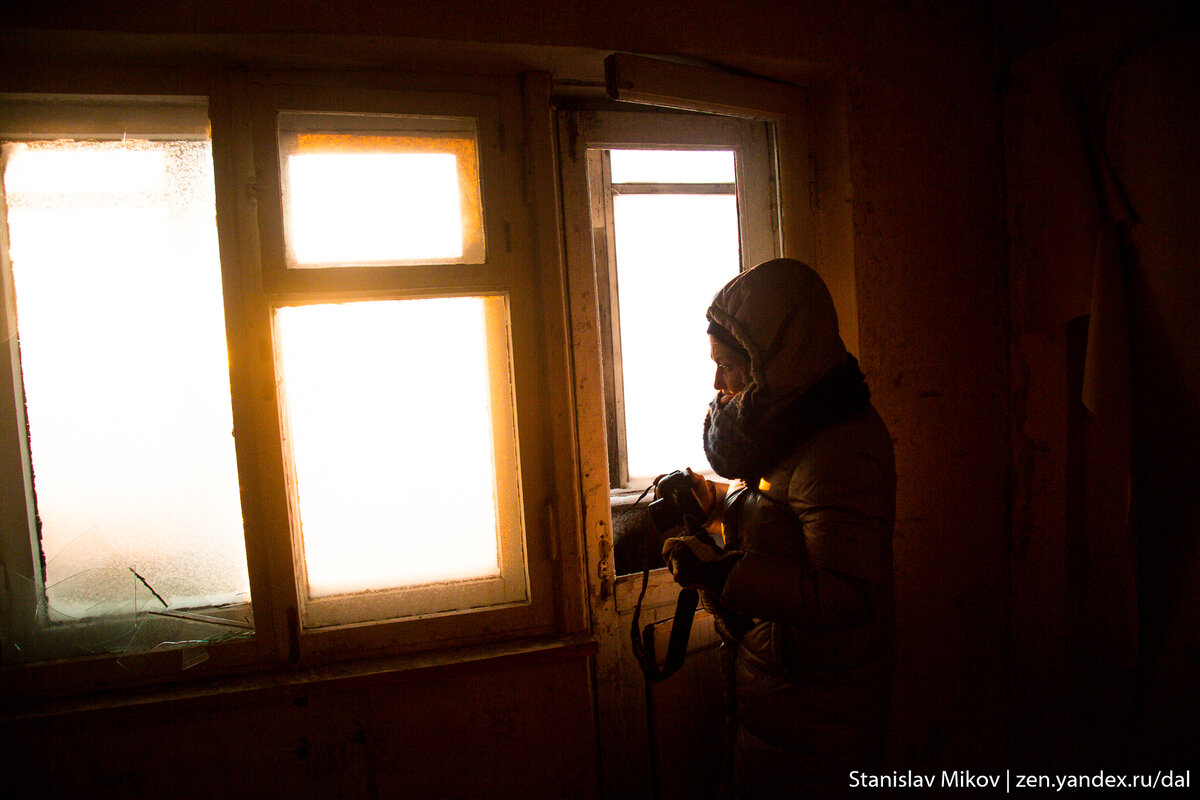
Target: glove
[696,562]
[689,492]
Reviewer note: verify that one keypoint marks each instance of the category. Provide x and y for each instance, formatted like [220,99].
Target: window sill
[297,682]
[622,498]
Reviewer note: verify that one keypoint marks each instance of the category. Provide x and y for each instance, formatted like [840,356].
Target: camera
[676,502]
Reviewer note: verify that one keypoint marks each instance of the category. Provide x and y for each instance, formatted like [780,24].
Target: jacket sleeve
[842,576]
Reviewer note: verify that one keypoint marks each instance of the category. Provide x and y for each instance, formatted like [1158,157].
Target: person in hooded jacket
[802,589]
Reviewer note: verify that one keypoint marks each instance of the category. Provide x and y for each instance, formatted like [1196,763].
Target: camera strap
[681,629]
[642,639]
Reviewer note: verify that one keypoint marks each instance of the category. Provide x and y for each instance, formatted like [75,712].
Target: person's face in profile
[733,369]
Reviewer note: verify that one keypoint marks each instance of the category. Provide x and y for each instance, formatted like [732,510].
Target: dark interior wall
[925,156]
[1155,147]
[502,730]
[1100,127]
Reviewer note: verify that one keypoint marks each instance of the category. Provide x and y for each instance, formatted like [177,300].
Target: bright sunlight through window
[125,373]
[673,252]
[375,190]
[372,207]
[672,166]
[401,441]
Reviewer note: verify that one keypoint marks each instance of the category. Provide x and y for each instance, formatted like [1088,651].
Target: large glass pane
[395,437]
[125,370]
[371,190]
[672,166]
[673,253]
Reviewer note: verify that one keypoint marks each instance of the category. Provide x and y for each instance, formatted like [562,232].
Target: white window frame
[586,139]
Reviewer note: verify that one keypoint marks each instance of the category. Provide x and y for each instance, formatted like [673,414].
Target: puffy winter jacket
[809,605]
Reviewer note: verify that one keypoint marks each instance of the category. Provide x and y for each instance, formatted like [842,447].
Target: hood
[782,315]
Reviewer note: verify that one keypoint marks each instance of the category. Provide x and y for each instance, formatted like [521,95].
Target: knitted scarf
[742,444]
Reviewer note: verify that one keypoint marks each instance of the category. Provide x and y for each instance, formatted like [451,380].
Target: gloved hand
[688,491]
[696,561]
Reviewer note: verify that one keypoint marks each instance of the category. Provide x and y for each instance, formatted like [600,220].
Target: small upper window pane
[380,190]
[672,166]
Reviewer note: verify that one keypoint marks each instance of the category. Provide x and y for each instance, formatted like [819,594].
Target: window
[398,410]
[395,297]
[771,159]
[122,515]
[674,234]
[380,189]
[679,204]
[400,422]
[271,378]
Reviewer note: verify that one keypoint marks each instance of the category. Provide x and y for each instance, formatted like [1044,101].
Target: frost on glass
[391,432]
[128,614]
[125,375]
[363,190]
[683,248]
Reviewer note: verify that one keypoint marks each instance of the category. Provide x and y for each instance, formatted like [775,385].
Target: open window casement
[807,126]
[664,208]
[774,186]
[665,106]
[668,84]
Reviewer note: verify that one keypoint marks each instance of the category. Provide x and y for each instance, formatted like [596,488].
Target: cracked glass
[123,367]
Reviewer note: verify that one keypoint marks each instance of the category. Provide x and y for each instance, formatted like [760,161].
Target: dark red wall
[1100,125]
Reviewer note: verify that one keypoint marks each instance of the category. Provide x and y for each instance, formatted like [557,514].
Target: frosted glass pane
[374,207]
[125,369]
[391,434]
[76,169]
[362,190]
[672,166]
[673,253]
